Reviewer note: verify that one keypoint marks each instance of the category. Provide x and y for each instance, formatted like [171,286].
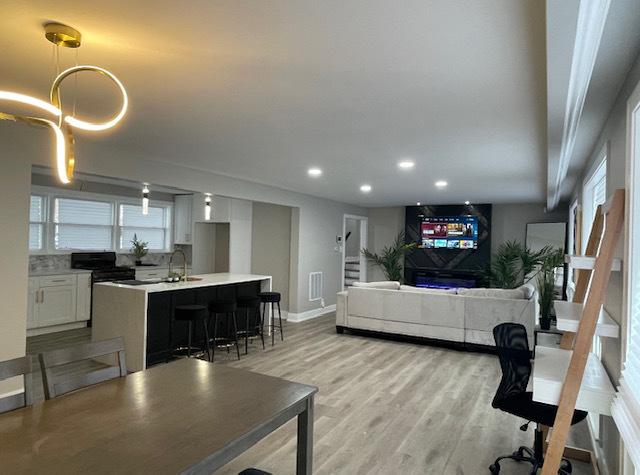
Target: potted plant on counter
[546,280]
[139,249]
[390,257]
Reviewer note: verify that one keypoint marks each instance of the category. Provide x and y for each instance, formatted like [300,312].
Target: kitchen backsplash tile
[61,262]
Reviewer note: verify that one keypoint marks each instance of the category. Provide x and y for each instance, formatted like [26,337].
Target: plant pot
[138,262]
[545,323]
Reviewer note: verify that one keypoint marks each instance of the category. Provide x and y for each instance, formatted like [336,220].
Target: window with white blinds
[82,224]
[626,406]
[152,228]
[64,221]
[37,219]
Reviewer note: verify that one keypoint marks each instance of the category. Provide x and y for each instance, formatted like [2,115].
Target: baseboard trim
[309,314]
[55,328]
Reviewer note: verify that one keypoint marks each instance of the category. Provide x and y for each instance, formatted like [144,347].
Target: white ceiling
[264,90]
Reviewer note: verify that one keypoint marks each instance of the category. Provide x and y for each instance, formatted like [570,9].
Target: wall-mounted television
[449,232]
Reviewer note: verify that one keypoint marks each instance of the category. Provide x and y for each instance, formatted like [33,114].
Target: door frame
[364,228]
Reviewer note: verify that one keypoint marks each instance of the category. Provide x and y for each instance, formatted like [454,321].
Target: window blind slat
[131,215]
[74,211]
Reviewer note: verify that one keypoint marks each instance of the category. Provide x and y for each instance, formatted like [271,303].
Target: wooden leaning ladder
[581,341]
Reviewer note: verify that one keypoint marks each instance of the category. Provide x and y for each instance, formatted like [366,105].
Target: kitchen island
[142,314]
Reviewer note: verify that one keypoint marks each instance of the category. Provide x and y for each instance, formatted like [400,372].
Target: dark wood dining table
[188,416]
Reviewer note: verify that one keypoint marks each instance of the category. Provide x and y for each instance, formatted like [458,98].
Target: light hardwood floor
[384,407]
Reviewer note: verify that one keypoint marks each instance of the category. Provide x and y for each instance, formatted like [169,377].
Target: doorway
[354,264]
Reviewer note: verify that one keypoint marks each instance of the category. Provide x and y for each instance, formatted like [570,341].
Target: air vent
[315,286]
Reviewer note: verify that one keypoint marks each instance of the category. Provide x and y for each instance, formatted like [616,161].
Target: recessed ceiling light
[314,171]
[365,188]
[467,202]
[406,164]
[441,183]
[418,203]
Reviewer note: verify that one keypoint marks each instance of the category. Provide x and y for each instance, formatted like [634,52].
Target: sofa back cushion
[511,294]
[383,284]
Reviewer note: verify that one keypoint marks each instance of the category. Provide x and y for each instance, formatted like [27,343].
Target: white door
[57,305]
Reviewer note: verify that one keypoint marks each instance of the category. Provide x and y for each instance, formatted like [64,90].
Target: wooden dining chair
[10,369]
[56,385]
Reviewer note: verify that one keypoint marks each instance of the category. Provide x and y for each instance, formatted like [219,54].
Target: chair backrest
[10,369]
[515,360]
[55,385]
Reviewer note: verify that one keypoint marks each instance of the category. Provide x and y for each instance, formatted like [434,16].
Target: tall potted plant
[390,258]
[546,280]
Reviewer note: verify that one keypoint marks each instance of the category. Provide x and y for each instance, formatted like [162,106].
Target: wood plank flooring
[384,407]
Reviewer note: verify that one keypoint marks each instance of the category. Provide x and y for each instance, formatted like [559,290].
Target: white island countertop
[204,280]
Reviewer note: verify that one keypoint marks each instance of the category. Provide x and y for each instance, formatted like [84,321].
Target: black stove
[102,266]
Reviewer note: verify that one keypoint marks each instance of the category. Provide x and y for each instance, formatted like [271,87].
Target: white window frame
[44,222]
[168,225]
[623,402]
[51,194]
[589,212]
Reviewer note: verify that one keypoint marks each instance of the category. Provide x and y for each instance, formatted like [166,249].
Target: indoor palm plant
[391,256]
[513,264]
[139,249]
[546,280]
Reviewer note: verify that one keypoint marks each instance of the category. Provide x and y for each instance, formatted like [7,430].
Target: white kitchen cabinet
[159,272]
[153,273]
[58,300]
[57,305]
[83,297]
[183,219]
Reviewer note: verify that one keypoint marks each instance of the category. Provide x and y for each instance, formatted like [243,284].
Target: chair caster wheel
[494,468]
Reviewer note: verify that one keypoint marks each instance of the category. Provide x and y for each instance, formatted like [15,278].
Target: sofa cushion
[411,288]
[528,290]
[514,294]
[384,284]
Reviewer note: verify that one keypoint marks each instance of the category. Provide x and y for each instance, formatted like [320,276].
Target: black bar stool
[191,314]
[226,309]
[250,304]
[272,298]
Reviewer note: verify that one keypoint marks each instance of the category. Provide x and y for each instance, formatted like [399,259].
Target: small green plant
[390,259]
[139,248]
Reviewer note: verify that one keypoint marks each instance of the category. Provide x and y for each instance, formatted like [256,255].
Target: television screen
[449,232]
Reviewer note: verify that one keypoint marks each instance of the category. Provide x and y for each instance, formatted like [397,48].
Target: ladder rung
[588,262]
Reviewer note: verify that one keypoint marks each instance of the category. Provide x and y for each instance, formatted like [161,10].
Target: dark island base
[160,325]
[453,345]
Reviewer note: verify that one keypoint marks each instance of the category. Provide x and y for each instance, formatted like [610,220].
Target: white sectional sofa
[464,316]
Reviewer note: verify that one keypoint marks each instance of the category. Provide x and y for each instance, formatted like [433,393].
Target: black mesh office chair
[512,396]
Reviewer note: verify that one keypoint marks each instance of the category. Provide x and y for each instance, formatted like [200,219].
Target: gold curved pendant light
[62,124]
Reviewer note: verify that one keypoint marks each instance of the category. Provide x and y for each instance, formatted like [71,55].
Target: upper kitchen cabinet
[183,218]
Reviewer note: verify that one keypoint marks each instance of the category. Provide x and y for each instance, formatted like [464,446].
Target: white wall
[509,221]
[271,246]
[384,226]
[15,185]
[613,135]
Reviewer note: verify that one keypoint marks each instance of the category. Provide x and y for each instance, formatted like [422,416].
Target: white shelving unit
[587,262]
[551,364]
[568,315]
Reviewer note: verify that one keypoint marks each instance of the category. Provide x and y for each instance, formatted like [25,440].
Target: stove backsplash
[61,262]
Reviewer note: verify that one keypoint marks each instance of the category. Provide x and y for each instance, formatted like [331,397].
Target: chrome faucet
[184,262]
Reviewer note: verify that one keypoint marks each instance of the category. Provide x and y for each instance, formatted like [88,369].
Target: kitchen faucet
[184,262]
